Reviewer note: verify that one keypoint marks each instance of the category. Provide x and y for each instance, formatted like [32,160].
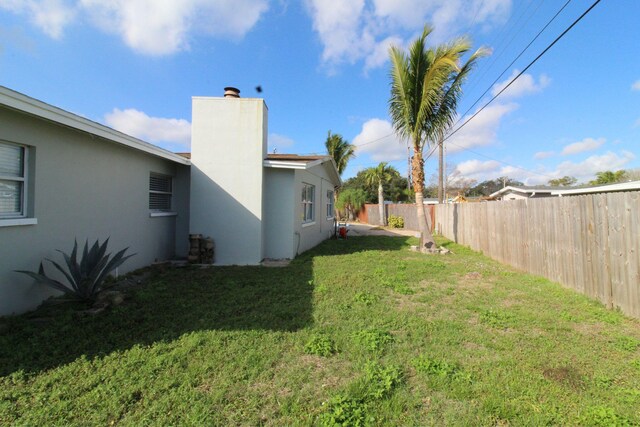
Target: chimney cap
[231,92]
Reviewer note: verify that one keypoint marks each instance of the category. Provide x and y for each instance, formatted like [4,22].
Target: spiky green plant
[85,277]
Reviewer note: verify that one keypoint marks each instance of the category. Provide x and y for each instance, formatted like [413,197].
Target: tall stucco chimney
[228,148]
[231,92]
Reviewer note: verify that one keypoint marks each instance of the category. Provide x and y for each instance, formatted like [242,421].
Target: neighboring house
[512,192]
[527,192]
[604,188]
[64,177]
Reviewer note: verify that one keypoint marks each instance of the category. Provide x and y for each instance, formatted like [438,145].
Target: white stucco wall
[321,228]
[84,187]
[280,212]
[228,146]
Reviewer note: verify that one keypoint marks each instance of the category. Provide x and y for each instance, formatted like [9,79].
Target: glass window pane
[11,160]
[10,197]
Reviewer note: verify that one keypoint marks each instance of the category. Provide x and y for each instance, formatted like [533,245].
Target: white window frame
[23,181]
[165,211]
[330,207]
[308,201]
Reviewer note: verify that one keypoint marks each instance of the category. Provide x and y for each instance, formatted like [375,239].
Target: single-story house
[64,177]
[512,192]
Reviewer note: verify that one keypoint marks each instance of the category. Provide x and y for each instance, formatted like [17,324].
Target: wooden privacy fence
[370,214]
[589,243]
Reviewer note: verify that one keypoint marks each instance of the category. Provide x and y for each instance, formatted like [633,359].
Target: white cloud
[338,23]
[147,26]
[378,139]
[481,130]
[540,155]
[355,30]
[447,16]
[526,84]
[152,129]
[380,53]
[587,169]
[51,16]
[635,85]
[475,168]
[583,171]
[587,144]
[279,142]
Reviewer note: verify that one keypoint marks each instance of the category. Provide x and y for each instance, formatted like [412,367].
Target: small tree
[565,181]
[609,177]
[351,200]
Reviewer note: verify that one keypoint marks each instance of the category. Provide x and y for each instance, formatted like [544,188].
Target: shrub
[395,221]
[381,380]
[374,339]
[85,277]
[344,411]
[430,366]
[320,345]
[352,408]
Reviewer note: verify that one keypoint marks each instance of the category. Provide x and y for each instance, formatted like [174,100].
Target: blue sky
[323,65]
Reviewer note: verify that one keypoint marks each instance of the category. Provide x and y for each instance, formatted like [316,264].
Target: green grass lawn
[355,332]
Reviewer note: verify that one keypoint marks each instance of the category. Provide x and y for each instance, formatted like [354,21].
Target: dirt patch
[567,375]
[589,329]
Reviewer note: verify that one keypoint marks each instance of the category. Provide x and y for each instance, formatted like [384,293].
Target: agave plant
[85,277]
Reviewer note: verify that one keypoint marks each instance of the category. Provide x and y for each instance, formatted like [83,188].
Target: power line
[516,58]
[505,46]
[525,69]
[497,78]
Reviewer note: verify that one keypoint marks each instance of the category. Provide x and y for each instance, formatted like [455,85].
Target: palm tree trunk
[440,170]
[424,222]
[383,219]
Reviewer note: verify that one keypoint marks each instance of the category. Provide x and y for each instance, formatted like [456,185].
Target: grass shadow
[169,305]
[173,303]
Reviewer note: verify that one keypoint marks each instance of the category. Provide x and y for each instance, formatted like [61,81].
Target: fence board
[590,243]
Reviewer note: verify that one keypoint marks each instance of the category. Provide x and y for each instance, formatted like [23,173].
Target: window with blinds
[160,192]
[12,180]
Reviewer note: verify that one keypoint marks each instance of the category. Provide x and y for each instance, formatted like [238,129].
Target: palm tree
[351,200]
[426,84]
[379,175]
[340,149]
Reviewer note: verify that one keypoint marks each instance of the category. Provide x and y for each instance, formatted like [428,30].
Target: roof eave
[42,110]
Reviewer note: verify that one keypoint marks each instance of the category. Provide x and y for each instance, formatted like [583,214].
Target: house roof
[605,188]
[294,161]
[33,107]
[305,162]
[295,157]
[568,191]
[523,189]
